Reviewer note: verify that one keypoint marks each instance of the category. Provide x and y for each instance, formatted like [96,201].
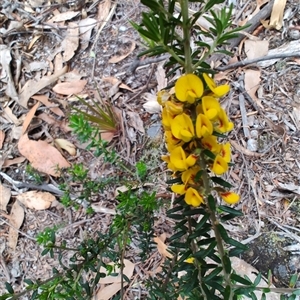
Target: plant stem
[186,36]
[214,222]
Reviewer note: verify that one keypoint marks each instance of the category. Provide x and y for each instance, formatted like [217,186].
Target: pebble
[252,145]
[154,130]
[122,28]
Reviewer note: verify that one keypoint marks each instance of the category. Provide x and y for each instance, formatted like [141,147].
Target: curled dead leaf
[33,86]
[43,157]
[2,138]
[5,194]
[66,145]
[16,219]
[69,88]
[128,47]
[36,199]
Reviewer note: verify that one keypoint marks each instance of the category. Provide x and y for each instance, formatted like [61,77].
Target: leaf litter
[36,82]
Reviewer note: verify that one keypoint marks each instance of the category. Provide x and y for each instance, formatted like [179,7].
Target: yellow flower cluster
[190,118]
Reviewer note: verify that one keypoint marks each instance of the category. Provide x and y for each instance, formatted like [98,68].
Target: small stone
[294,34]
[254,134]
[122,28]
[252,145]
[154,130]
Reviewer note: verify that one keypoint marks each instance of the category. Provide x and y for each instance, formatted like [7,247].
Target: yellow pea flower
[179,160]
[192,197]
[203,126]
[174,108]
[210,106]
[190,260]
[211,143]
[220,166]
[166,118]
[188,176]
[162,97]
[182,127]
[224,125]
[188,87]
[219,91]
[166,158]
[178,188]
[225,152]
[171,141]
[230,197]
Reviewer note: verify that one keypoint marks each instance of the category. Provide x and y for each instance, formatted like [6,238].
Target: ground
[264,104]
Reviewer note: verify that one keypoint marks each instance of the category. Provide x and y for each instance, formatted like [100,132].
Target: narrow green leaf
[220,181]
[240,279]
[230,210]
[9,288]
[211,202]
[227,264]
[293,280]
[257,279]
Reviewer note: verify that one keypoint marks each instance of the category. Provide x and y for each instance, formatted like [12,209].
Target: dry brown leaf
[5,74]
[252,81]
[85,29]
[43,157]
[98,208]
[103,11]
[44,99]
[5,194]
[2,138]
[16,219]
[107,135]
[277,14]
[63,125]
[69,88]
[66,145]
[109,291]
[32,86]
[161,79]
[255,49]
[162,248]
[71,42]
[36,199]
[151,105]
[295,114]
[117,58]
[114,81]
[128,271]
[9,116]
[29,117]
[68,15]
[14,161]
[34,40]
[135,121]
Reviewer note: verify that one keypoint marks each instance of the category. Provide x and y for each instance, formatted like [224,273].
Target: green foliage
[141,169]
[34,174]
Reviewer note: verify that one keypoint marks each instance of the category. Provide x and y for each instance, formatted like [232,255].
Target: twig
[252,24]
[244,116]
[255,60]
[137,62]
[290,234]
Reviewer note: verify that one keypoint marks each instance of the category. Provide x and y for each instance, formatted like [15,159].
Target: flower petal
[178,189]
[193,198]
[211,107]
[220,166]
[230,197]
[203,126]
[188,87]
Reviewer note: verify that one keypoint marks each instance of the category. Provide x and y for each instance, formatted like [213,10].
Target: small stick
[255,60]
[244,116]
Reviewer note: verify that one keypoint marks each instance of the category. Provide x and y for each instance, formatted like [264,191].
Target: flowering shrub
[193,119]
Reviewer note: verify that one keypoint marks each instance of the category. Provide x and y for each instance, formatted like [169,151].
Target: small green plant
[100,113]
[34,174]
[141,169]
